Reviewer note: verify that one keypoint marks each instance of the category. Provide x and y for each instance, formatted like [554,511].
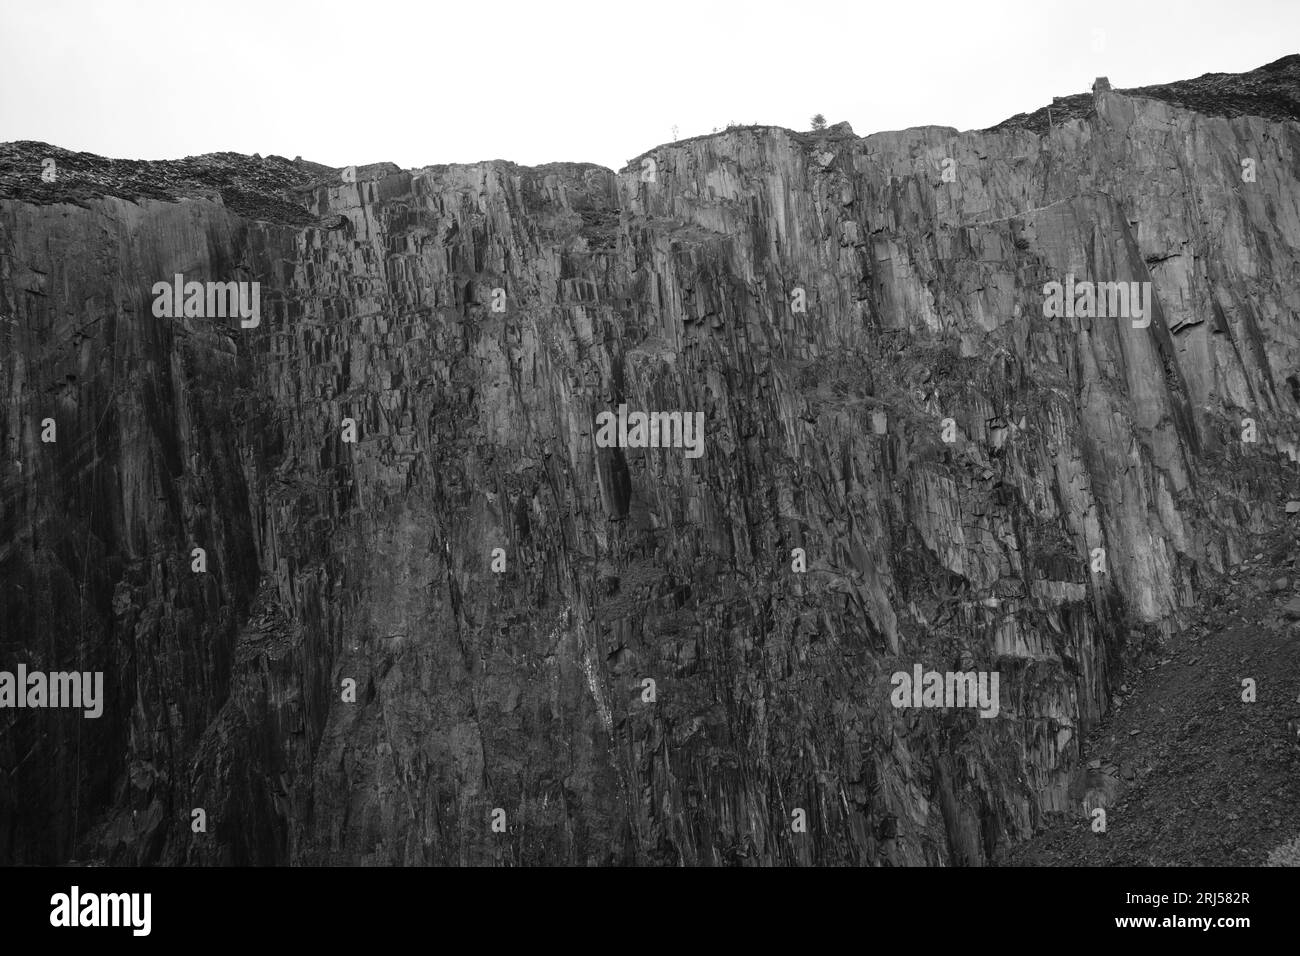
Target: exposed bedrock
[824,430]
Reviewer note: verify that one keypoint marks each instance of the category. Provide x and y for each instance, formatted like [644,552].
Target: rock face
[828,302]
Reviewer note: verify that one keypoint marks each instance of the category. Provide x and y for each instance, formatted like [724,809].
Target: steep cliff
[826,301]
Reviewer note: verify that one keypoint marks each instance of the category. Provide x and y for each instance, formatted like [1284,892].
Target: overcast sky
[417,82]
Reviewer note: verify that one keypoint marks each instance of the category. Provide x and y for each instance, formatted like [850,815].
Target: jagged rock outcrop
[922,257]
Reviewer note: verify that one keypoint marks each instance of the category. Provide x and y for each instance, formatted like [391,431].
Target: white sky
[417,82]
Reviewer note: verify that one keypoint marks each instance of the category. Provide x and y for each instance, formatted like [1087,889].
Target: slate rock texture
[331,561]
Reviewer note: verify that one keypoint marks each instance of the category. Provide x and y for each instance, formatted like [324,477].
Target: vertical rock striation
[523,690]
